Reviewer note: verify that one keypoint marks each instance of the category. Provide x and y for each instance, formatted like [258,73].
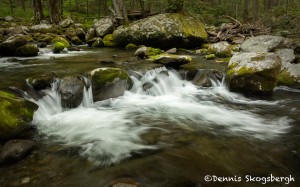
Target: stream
[172,134]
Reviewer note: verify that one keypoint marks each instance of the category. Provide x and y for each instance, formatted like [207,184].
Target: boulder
[204,77]
[210,56]
[90,34]
[290,73]
[91,41]
[253,72]
[9,46]
[15,114]
[131,46]
[146,52]
[15,150]
[264,43]
[104,27]
[66,23]
[71,91]
[58,47]
[164,31]
[97,43]
[43,28]
[8,18]
[18,30]
[169,60]
[27,50]
[109,83]
[62,40]
[108,41]
[80,33]
[220,49]
[172,51]
[76,40]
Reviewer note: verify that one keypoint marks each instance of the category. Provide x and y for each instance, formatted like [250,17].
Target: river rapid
[172,134]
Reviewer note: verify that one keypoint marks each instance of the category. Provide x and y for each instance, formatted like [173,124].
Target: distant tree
[38,10]
[54,11]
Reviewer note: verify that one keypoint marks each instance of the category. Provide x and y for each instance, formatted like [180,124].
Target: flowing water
[172,134]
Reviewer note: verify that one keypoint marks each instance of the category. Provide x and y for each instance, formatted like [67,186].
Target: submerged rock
[104,27]
[109,83]
[264,43]
[253,72]
[169,60]
[204,77]
[15,114]
[15,150]
[163,31]
[71,91]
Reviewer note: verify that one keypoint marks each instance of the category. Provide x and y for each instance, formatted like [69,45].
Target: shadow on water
[172,135]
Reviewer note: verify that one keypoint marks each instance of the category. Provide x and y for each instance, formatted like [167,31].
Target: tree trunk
[246,11]
[117,9]
[38,10]
[11,7]
[255,11]
[23,5]
[54,11]
[124,11]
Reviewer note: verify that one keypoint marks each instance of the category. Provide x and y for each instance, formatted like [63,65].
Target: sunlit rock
[264,43]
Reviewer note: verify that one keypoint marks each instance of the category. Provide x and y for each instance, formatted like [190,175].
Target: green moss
[61,40]
[75,40]
[15,114]
[286,79]
[153,51]
[58,47]
[108,41]
[130,46]
[210,56]
[205,46]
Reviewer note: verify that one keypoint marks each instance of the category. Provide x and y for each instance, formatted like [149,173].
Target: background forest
[279,15]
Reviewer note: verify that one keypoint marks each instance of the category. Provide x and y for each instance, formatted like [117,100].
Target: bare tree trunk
[11,7]
[23,5]
[255,11]
[38,10]
[246,11]
[117,9]
[124,11]
[54,11]
[87,7]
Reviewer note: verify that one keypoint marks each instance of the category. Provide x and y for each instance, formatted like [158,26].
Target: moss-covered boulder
[61,40]
[76,40]
[9,46]
[164,31]
[109,83]
[90,34]
[210,56]
[255,73]
[15,114]
[146,52]
[220,49]
[108,41]
[170,60]
[58,47]
[104,27]
[71,91]
[27,50]
[43,28]
[66,23]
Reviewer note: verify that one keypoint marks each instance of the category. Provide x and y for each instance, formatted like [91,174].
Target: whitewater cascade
[109,131]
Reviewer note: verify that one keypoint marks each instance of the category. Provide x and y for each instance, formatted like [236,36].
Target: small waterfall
[110,131]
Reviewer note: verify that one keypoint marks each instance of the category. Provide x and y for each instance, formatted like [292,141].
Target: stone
[98,43]
[8,18]
[220,49]
[109,83]
[131,46]
[80,33]
[108,41]
[42,44]
[204,77]
[91,41]
[287,57]
[169,60]
[27,50]
[104,27]
[164,31]
[253,72]
[264,43]
[90,34]
[15,114]
[9,46]
[210,56]
[58,47]
[18,30]
[76,41]
[71,91]
[62,40]
[146,52]
[43,28]
[15,150]
[66,23]
[290,76]
[172,51]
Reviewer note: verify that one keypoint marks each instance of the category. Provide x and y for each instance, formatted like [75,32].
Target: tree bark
[246,11]
[11,7]
[38,10]
[54,11]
